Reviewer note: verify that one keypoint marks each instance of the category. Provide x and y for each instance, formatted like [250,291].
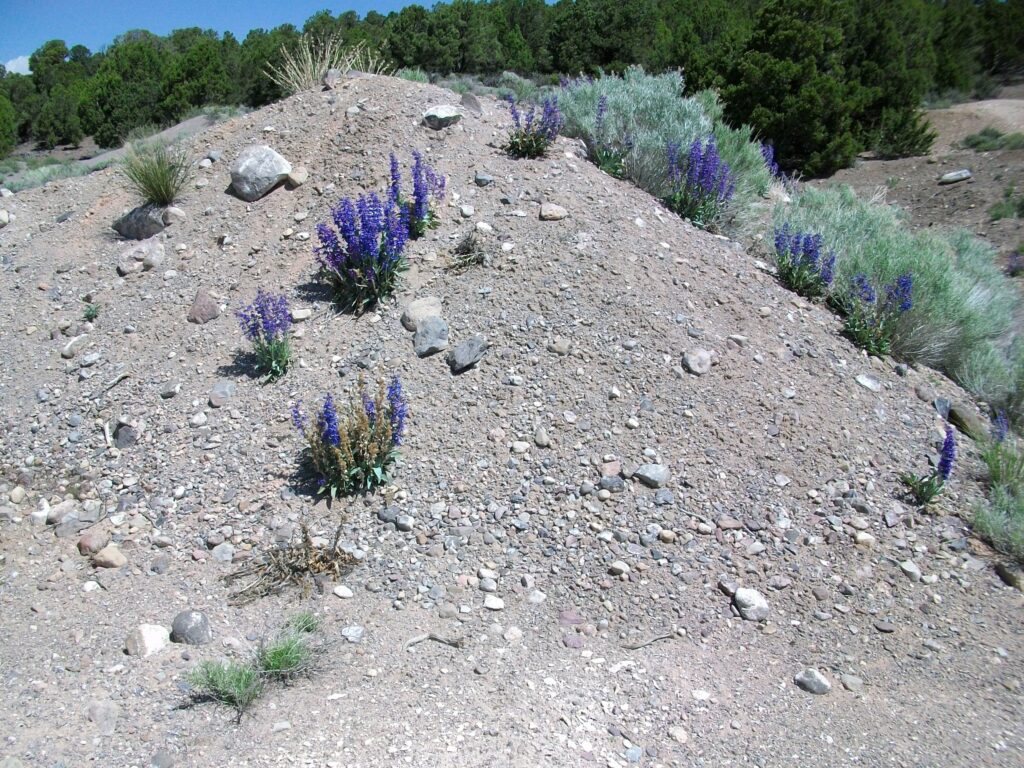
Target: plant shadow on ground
[245,363]
[314,290]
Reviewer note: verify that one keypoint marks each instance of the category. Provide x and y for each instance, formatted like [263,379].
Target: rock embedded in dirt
[968,421]
[297,177]
[697,361]
[751,604]
[74,346]
[125,436]
[191,628]
[172,214]
[332,79]
[141,223]
[472,103]
[467,354]
[146,639]
[223,391]
[93,542]
[256,171]
[419,310]
[5,218]
[109,557]
[552,212]
[955,176]
[652,475]
[204,308]
[441,116]
[103,714]
[869,382]
[431,337]
[812,681]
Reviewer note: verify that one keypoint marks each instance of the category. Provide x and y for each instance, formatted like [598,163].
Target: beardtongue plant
[608,154]
[353,451]
[362,255]
[871,321]
[532,134]
[803,263]
[700,182]
[427,189]
[924,488]
[265,323]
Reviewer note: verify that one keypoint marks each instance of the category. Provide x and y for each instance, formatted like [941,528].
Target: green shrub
[8,126]
[990,139]
[157,174]
[44,174]
[531,134]
[91,312]
[284,656]
[643,113]
[416,75]
[903,133]
[234,684]
[304,621]
[1010,207]
[1001,518]
[961,318]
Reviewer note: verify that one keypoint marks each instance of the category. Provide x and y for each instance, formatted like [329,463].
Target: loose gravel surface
[666,492]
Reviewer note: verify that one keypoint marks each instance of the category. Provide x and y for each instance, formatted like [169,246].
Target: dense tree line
[821,78]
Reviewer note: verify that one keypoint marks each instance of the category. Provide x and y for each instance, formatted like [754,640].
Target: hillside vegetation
[820,80]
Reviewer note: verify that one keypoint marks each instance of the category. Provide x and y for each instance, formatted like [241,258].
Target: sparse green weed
[236,685]
[91,312]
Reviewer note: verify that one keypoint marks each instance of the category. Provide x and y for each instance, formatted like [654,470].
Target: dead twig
[651,641]
[453,642]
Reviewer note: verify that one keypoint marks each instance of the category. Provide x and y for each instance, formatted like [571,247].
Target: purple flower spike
[948,457]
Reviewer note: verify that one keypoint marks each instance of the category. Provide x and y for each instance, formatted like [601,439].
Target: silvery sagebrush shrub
[643,112]
[700,182]
[531,134]
[924,488]
[351,450]
[362,254]
[804,264]
[427,192]
[266,322]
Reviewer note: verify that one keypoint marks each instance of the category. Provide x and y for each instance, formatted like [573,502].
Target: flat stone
[419,310]
[494,603]
[812,681]
[618,568]
[467,354]
[869,382]
[852,683]
[441,116]
[301,313]
[103,714]
[910,570]
[885,627]
[224,552]
[297,177]
[431,337]
[353,634]
[968,421]
[109,557]
[223,391]
[343,592]
[147,639]
[204,308]
[697,361]
[471,103]
[751,604]
[652,475]
[174,215]
[125,436]
[191,628]
[552,212]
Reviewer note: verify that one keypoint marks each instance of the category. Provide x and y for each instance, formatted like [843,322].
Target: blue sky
[27,24]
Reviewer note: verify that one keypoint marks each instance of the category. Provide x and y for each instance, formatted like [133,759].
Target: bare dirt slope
[783,461]
[912,183]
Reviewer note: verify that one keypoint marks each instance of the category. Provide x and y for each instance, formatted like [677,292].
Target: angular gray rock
[471,103]
[191,628]
[812,681]
[222,391]
[467,354]
[652,475]
[431,336]
[441,116]
[697,361]
[331,79]
[104,715]
[204,308]
[751,604]
[141,223]
[256,171]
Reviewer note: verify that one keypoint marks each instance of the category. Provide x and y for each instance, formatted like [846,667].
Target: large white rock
[258,170]
[147,639]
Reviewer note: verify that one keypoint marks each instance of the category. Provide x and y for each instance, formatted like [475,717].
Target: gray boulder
[141,223]
[191,628]
[257,171]
[431,336]
[467,354]
[652,475]
[751,604]
[441,116]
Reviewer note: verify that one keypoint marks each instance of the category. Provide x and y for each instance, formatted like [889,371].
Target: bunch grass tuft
[158,174]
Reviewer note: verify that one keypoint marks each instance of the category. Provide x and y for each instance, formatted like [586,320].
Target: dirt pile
[655,431]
